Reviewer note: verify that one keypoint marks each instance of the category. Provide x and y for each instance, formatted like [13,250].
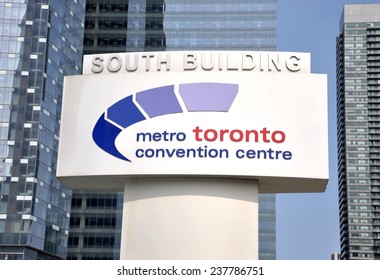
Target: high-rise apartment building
[358,117]
[40,42]
[159,25]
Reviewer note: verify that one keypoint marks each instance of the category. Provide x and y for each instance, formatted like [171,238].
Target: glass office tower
[40,43]
[170,25]
[358,117]
[154,25]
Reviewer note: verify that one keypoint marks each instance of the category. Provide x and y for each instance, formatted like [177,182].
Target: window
[76,202]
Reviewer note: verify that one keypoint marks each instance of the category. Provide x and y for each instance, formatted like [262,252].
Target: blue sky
[308,224]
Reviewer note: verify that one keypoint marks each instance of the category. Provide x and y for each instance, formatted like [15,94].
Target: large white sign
[195,114]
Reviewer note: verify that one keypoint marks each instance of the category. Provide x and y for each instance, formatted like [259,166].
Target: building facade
[358,120]
[40,43]
[95,226]
[169,25]
[154,25]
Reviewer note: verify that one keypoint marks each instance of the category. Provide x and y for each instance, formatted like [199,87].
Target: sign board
[246,115]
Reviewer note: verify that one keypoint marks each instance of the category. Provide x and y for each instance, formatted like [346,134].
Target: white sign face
[269,126]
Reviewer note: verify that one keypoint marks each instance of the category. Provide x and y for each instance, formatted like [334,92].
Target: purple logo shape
[208,96]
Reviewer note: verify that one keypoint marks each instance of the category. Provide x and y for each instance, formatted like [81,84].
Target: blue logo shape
[197,97]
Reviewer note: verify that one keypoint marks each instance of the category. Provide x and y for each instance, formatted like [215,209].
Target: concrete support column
[190,218]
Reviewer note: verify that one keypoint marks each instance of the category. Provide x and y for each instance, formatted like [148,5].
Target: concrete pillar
[190,218]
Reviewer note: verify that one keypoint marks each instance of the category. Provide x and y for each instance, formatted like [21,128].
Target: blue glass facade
[40,42]
[267,226]
[159,25]
[149,25]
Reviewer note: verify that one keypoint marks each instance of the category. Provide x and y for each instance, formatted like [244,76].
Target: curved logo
[197,97]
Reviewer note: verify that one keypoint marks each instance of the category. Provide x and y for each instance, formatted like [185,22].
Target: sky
[308,224]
